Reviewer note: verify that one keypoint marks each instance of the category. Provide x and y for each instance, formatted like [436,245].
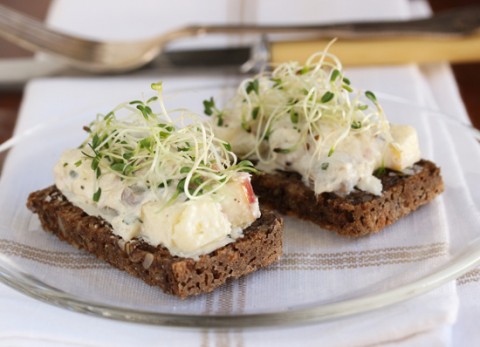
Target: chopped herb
[97,194]
[324,166]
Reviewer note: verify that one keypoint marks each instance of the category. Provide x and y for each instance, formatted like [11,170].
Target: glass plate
[320,277]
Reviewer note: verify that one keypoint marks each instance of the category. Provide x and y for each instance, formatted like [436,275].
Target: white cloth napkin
[465,332]
[24,320]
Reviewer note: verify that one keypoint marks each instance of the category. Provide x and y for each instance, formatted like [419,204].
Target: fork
[114,57]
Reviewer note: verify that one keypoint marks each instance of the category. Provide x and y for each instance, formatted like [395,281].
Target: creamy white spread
[352,166]
[186,228]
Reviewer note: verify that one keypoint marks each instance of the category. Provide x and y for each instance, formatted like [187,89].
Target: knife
[452,36]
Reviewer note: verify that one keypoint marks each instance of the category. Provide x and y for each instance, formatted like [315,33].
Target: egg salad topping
[170,183]
[310,119]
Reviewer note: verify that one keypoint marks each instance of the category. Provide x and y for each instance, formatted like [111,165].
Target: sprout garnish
[149,149]
[316,100]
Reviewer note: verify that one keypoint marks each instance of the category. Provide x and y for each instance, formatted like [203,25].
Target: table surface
[467,75]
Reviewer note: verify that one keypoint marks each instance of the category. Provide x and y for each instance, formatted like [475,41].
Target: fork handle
[383,51]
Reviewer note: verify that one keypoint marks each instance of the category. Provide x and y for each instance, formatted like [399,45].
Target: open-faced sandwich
[167,203]
[327,151]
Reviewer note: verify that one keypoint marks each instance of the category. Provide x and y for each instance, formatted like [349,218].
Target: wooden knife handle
[382,51]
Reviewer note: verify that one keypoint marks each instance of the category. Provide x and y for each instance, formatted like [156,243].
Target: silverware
[112,57]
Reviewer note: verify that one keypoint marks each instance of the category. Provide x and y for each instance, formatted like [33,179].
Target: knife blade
[15,72]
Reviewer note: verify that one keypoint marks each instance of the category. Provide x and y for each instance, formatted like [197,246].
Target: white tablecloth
[434,319]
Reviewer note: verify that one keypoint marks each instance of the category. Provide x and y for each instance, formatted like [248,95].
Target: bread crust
[359,213]
[260,246]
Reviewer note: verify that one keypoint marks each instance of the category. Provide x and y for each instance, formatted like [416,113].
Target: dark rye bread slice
[260,246]
[358,213]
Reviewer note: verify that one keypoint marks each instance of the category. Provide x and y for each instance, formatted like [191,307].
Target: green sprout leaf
[220,119]
[356,124]
[328,96]
[282,150]
[252,86]
[277,83]
[304,70]
[153,98]
[227,146]
[335,75]
[371,96]
[185,169]
[362,107]
[255,112]
[331,151]
[209,106]
[294,117]
[146,111]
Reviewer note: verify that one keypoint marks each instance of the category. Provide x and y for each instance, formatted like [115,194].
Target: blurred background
[467,75]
